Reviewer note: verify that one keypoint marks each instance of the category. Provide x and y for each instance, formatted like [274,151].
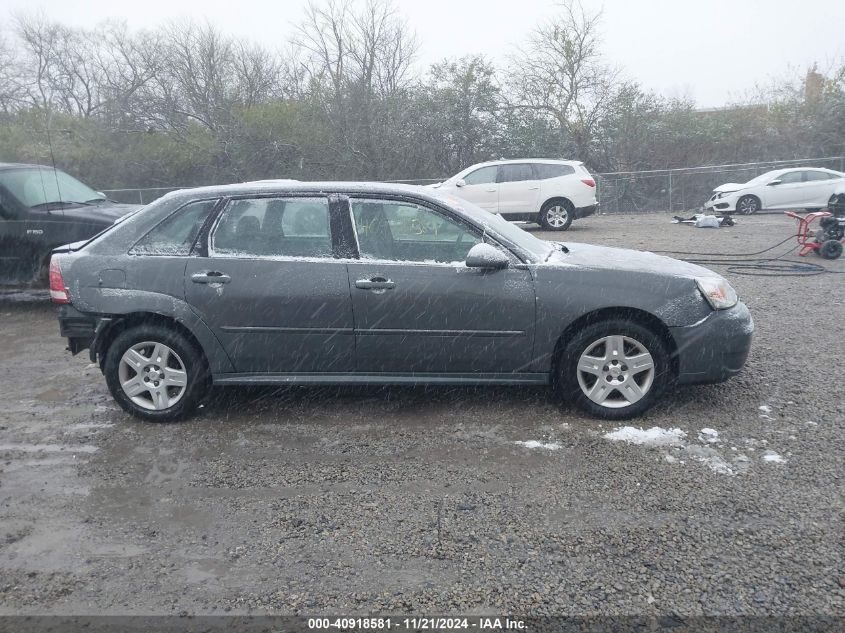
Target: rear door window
[274,227]
[515,173]
[818,175]
[176,234]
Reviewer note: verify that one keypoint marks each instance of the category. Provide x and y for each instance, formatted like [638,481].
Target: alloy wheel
[615,371]
[557,216]
[747,206]
[152,375]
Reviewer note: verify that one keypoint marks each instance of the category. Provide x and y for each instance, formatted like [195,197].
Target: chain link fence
[676,190]
[682,190]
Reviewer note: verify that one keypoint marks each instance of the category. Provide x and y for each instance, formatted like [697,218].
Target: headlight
[717,291]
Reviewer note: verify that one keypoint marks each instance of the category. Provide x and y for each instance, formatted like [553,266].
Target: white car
[549,192]
[793,188]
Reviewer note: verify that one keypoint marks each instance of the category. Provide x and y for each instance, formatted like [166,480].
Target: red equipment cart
[812,241]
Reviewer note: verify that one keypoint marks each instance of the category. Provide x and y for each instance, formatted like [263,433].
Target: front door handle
[375,283]
[211,277]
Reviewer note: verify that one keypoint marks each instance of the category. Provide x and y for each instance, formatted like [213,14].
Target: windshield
[537,248]
[41,185]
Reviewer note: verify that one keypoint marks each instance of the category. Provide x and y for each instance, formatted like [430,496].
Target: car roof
[22,165]
[789,169]
[296,186]
[511,161]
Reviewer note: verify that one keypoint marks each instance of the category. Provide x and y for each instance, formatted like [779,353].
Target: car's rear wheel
[156,373]
[556,215]
[748,205]
[614,369]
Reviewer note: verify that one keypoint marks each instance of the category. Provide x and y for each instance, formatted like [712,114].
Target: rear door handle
[533,188]
[211,277]
[376,283]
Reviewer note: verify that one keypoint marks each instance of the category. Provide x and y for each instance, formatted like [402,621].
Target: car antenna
[52,161]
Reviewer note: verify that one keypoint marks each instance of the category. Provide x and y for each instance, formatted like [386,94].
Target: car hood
[104,214]
[627,260]
[729,187]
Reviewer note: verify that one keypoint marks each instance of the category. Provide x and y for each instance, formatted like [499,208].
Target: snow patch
[710,458]
[655,436]
[771,456]
[549,446]
[681,451]
[708,435]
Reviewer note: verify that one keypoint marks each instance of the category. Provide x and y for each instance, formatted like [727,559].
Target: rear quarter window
[176,234]
[546,171]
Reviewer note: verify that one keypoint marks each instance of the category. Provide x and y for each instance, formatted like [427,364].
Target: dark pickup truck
[42,208]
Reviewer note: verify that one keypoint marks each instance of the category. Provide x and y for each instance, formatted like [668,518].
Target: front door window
[407,232]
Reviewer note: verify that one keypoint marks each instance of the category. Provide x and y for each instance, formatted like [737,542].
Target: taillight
[589,182]
[58,292]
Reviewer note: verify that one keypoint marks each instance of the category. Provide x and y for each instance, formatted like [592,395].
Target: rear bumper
[583,212]
[76,327]
[716,348]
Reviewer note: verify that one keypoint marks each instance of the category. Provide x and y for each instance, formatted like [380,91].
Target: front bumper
[725,203]
[583,212]
[716,348]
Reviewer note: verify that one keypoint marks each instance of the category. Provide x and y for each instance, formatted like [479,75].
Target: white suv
[549,192]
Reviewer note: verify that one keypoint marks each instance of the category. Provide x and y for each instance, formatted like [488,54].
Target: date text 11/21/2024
[419,623]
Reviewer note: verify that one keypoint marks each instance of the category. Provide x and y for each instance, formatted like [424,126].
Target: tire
[556,215]
[748,205]
[831,249]
[143,369]
[626,392]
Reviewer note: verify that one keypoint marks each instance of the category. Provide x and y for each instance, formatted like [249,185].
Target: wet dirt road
[412,500]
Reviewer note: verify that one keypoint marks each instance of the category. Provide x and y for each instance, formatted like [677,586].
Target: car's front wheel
[614,369]
[747,205]
[556,215]
[155,373]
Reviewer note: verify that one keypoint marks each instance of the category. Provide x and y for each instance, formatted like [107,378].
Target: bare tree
[356,66]
[560,74]
[10,80]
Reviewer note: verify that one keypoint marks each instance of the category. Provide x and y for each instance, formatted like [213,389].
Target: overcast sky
[711,50]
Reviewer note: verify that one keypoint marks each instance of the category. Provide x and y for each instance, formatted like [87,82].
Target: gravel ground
[422,501]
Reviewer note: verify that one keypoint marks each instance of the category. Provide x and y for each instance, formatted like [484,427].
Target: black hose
[765,250]
[765,267]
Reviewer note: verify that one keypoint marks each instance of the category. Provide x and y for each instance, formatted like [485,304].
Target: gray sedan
[276,283]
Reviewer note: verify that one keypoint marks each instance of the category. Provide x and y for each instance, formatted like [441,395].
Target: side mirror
[486,256]
[460,182]
[774,182]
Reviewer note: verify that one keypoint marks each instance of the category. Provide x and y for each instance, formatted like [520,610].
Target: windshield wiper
[60,204]
[556,246]
[96,200]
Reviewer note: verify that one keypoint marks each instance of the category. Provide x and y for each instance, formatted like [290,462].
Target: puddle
[49,448]
[87,426]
